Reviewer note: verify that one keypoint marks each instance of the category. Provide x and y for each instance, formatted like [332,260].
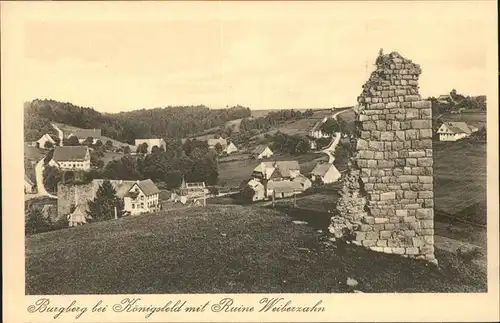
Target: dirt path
[330,150]
[59,131]
[39,180]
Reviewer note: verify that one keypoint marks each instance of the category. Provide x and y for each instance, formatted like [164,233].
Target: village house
[142,197]
[83,134]
[453,131]
[231,148]
[325,173]
[71,158]
[303,181]
[262,151]
[277,170]
[29,185]
[138,196]
[282,189]
[316,131]
[258,188]
[158,142]
[44,140]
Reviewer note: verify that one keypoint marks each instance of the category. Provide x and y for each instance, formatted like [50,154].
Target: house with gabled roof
[453,131]
[284,169]
[46,138]
[262,151]
[326,173]
[83,134]
[142,197]
[282,189]
[71,158]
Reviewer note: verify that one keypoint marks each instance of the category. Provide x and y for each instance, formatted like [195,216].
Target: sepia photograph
[259,153]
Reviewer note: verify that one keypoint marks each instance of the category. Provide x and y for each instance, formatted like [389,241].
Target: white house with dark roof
[142,197]
[453,131]
[83,134]
[44,140]
[71,158]
[286,169]
[262,151]
[326,173]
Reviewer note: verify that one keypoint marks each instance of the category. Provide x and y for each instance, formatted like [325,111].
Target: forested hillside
[169,122]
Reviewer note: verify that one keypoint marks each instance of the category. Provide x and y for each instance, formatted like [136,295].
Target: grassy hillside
[460,178]
[223,249]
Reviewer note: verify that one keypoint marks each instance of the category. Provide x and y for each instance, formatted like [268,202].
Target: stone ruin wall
[387,200]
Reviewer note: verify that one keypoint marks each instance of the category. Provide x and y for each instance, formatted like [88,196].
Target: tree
[51,176]
[142,148]
[48,145]
[330,126]
[36,222]
[126,149]
[109,144]
[72,141]
[102,207]
[218,148]
[247,193]
[303,146]
[88,142]
[173,179]
[98,144]
[96,162]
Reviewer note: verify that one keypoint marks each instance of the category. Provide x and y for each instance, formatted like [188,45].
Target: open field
[460,178]
[236,123]
[109,156]
[224,249]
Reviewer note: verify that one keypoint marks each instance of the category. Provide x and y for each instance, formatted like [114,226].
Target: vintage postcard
[250,161]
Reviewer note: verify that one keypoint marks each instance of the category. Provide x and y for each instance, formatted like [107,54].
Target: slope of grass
[223,249]
[460,177]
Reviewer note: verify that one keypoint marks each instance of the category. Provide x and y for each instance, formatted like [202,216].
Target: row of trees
[171,122]
[294,145]
[272,118]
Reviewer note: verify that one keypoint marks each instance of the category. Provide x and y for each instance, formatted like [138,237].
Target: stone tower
[387,200]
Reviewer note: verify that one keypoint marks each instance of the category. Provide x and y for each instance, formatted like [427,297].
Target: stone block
[412,251]
[425,161]
[422,104]
[424,214]
[389,226]
[377,249]
[365,134]
[368,220]
[421,124]
[425,179]
[381,243]
[410,194]
[427,224]
[407,179]
[398,250]
[412,97]
[385,163]
[360,236]
[371,163]
[402,213]
[372,235]
[411,134]
[425,114]
[365,154]
[385,234]
[409,233]
[377,106]
[427,232]
[409,219]
[425,194]
[381,125]
[387,250]
[376,145]
[365,227]
[387,136]
[387,196]
[411,162]
[427,250]
[429,240]
[425,133]
[412,114]
[368,125]
[418,241]
[361,144]
[416,154]
[369,243]
[381,220]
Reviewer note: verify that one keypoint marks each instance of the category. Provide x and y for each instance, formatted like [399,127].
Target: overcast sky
[263,59]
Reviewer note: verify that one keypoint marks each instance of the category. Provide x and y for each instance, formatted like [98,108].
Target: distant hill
[169,122]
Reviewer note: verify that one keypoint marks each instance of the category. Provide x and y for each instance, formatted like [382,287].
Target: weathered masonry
[387,198]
